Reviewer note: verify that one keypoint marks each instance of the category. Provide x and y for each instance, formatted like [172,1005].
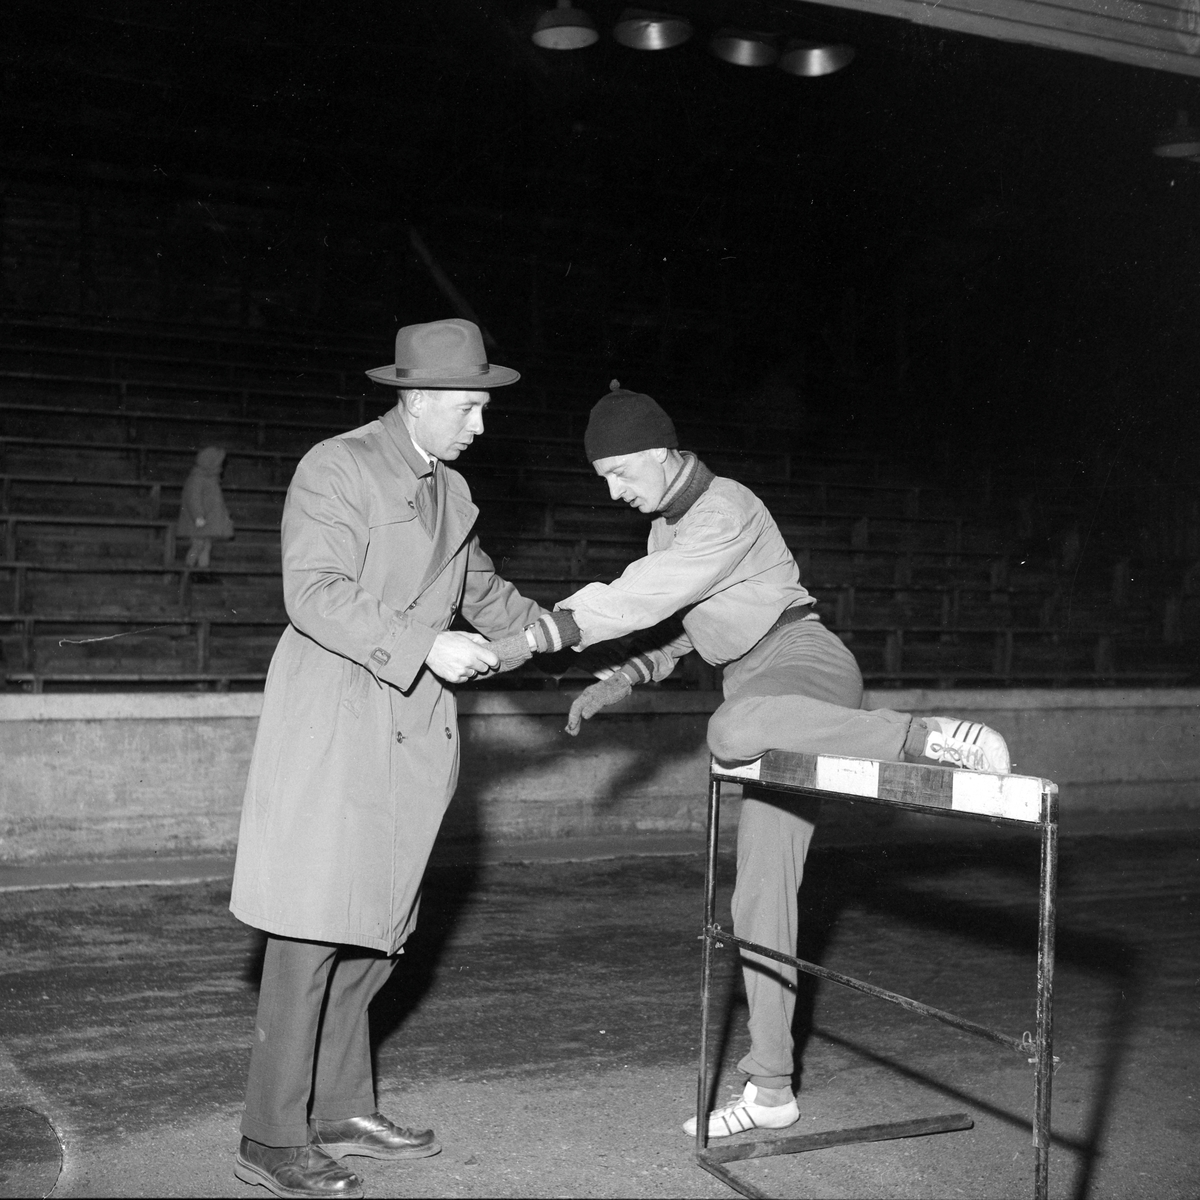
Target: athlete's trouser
[799,689]
[312,1009]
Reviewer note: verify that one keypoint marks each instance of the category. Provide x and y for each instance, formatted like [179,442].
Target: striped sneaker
[966,744]
[739,1115]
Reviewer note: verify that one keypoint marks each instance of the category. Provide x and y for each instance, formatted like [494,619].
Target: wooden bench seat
[182,585]
[907,654]
[947,603]
[75,362]
[148,643]
[259,542]
[283,443]
[259,506]
[294,436]
[1003,653]
[550,378]
[219,681]
[72,641]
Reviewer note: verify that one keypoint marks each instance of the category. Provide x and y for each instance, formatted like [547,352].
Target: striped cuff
[639,669]
[554,631]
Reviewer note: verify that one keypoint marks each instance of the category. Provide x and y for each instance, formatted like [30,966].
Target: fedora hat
[443,354]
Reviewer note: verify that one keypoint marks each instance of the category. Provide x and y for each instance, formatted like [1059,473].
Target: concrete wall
[133,774]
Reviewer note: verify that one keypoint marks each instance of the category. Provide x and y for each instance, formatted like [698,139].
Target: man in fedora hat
[356,755]
[717,558]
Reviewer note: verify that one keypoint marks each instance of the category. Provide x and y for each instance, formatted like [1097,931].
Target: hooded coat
[202,511]
[356,756]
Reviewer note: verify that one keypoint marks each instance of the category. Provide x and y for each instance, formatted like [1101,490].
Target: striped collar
[690,483]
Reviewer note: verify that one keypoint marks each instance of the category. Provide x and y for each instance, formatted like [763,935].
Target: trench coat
[356,756]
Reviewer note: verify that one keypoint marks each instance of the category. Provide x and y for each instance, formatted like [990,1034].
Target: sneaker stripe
[736,1119]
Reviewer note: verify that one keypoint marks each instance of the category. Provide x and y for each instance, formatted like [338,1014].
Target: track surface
[544,1020]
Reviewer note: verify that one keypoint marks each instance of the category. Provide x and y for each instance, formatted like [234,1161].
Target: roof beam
[1161,34]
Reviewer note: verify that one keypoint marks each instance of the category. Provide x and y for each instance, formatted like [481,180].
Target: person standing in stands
[356,756]
[716,557]
[203,517]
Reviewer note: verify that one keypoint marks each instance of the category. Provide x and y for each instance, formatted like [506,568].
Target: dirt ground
[545,1021]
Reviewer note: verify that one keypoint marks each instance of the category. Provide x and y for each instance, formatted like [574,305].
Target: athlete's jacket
[722,565]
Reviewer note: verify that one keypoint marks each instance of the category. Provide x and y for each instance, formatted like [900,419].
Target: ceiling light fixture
[811,59]
[564,28]
[743,48]
[641,29]
[1182,140]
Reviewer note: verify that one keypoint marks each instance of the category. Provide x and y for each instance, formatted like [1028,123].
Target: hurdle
[1011,800]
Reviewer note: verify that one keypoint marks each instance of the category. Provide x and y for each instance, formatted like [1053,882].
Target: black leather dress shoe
[303,1171]
[372,1137]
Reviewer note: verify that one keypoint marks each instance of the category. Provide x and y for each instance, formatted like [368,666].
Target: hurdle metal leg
[712,1159]
[1044,1038]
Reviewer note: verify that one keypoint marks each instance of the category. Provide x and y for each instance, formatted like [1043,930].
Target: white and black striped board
[1012,797]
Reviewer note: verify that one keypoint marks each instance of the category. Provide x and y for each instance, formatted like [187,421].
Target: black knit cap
[624,422]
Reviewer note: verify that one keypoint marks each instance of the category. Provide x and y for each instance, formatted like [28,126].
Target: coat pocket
[394,535]
[393,510]
[355,681]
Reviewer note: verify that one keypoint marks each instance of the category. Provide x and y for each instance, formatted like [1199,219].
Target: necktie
[427,506]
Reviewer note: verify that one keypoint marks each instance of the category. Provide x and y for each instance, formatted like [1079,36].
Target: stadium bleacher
[99,425]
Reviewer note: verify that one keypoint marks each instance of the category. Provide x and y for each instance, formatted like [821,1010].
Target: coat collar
[393,422]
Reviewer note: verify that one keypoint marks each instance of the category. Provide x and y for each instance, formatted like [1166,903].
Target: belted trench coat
[356,756]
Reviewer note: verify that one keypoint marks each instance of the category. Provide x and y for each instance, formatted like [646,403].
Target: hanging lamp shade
[1182,140]
[814,58]
[641,29]
[564,28]
[744,48]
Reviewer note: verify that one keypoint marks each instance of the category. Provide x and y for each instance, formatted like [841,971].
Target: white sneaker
[739,1115]
[966,744]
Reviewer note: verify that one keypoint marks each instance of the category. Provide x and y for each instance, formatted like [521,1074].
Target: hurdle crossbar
[1017,800]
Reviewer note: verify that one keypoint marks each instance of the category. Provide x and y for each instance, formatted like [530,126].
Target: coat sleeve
[700,561]
[491,603]
[325,536]
[658,662]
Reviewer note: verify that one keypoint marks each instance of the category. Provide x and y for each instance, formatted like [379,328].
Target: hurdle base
[711,1158]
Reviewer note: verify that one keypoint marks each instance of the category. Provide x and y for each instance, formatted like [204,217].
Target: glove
[550,632]
[600,695]
[511,651]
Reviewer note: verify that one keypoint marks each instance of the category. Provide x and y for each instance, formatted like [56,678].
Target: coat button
[448,733]
[399,737]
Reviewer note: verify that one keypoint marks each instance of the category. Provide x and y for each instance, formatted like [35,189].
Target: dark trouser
[312,1010]
[799,689]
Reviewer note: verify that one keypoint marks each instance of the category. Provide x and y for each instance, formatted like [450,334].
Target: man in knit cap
[717,557]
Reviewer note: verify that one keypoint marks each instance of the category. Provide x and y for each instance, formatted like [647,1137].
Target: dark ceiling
[950,230]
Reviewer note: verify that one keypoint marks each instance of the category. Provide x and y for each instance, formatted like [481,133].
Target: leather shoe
[303,1171]
[372,1137]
